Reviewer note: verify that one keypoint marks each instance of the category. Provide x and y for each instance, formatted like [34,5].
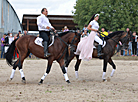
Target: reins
[120,46]
[67,45]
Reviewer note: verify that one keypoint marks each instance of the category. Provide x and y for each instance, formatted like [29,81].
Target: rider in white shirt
[94,26]
[44,26]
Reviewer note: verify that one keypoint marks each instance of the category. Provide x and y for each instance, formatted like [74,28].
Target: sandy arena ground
[122,87]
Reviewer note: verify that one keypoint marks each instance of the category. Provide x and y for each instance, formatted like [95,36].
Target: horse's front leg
[104,69]
[47,71]
[113,65]
[77,66]
[61,62]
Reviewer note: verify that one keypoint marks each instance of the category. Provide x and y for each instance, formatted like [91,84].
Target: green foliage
[114,14]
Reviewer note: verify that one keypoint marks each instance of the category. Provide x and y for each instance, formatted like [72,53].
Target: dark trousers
[134,48]
[44,35]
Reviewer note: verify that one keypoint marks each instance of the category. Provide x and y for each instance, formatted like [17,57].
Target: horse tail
[9,53]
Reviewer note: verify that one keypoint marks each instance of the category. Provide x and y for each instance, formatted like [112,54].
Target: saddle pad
[102,46]
[38,41]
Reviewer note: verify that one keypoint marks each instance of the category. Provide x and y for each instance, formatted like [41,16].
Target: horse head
[74,41]
[125,37]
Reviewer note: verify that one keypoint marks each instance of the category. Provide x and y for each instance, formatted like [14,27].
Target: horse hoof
[24,81]
[68,81]
[11,79]
[104,80]
[40,82]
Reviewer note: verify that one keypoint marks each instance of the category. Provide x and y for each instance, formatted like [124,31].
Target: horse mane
[63,33]
[113,34]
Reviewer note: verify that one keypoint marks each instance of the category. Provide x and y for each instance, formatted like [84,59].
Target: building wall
[9,20]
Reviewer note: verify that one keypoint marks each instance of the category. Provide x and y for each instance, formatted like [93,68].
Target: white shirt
[94,24]
[11,39]
[43,22]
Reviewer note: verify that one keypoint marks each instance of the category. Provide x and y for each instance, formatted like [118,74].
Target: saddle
[95,45]
[39,41]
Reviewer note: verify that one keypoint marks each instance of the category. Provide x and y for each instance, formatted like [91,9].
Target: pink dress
[85,47]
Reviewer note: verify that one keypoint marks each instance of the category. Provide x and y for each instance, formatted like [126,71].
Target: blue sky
[54,7]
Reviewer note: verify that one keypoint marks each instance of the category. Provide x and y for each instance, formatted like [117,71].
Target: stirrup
[47,55]
[100,54]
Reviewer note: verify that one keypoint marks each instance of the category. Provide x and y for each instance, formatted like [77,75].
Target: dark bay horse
[26,45]
[109,50]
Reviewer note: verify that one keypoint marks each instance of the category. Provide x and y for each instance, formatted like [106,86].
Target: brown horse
[109,50]
[26,45]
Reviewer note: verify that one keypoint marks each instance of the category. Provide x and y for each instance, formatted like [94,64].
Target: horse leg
[23,54]
[61,63]
[77,66]
[67,62]
[47,71]
[113,65]
[14,68]
[104,69]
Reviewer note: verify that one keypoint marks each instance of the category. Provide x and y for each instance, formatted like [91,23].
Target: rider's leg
[97,39]
[44,35]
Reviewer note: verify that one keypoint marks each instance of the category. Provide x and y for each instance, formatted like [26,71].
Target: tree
[114,14]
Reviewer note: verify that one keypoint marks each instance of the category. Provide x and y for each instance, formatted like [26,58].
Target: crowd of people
[7,39]
[132,45]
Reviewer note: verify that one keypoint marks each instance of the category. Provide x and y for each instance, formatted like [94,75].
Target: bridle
[68,46]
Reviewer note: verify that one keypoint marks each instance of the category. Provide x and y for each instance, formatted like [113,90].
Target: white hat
[65,27]
[97,15]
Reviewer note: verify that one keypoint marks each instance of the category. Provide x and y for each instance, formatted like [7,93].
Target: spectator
[84,34]
[134,44]
[2,46]
[137,46]
[85,28]
[15,51]
[66,29]
[11,38]
[25,32]
[129,50]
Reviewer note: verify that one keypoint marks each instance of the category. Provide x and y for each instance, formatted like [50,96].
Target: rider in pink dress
[85,46]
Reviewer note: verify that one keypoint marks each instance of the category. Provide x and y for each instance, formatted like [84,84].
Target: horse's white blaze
[43,77]
[66,68]
[76,73]
[103,77]
[112,73]
[12,74]
[21,72]
[66,76]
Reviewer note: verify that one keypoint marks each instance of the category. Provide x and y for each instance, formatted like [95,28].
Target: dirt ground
[122,87]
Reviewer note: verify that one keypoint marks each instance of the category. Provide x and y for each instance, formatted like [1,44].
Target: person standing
[25,32]
[134,44]
[2,46]
[11,38]
[44,27]
[66,29]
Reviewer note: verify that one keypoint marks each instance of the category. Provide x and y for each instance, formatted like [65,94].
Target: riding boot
[46,54]
[99,50]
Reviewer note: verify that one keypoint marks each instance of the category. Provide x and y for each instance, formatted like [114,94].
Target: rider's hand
[47,27]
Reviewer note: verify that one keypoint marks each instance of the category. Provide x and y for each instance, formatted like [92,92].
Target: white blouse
[94,25]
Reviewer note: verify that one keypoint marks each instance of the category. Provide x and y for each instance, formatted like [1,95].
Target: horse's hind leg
[113,65]
[77,66]
[14,68]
